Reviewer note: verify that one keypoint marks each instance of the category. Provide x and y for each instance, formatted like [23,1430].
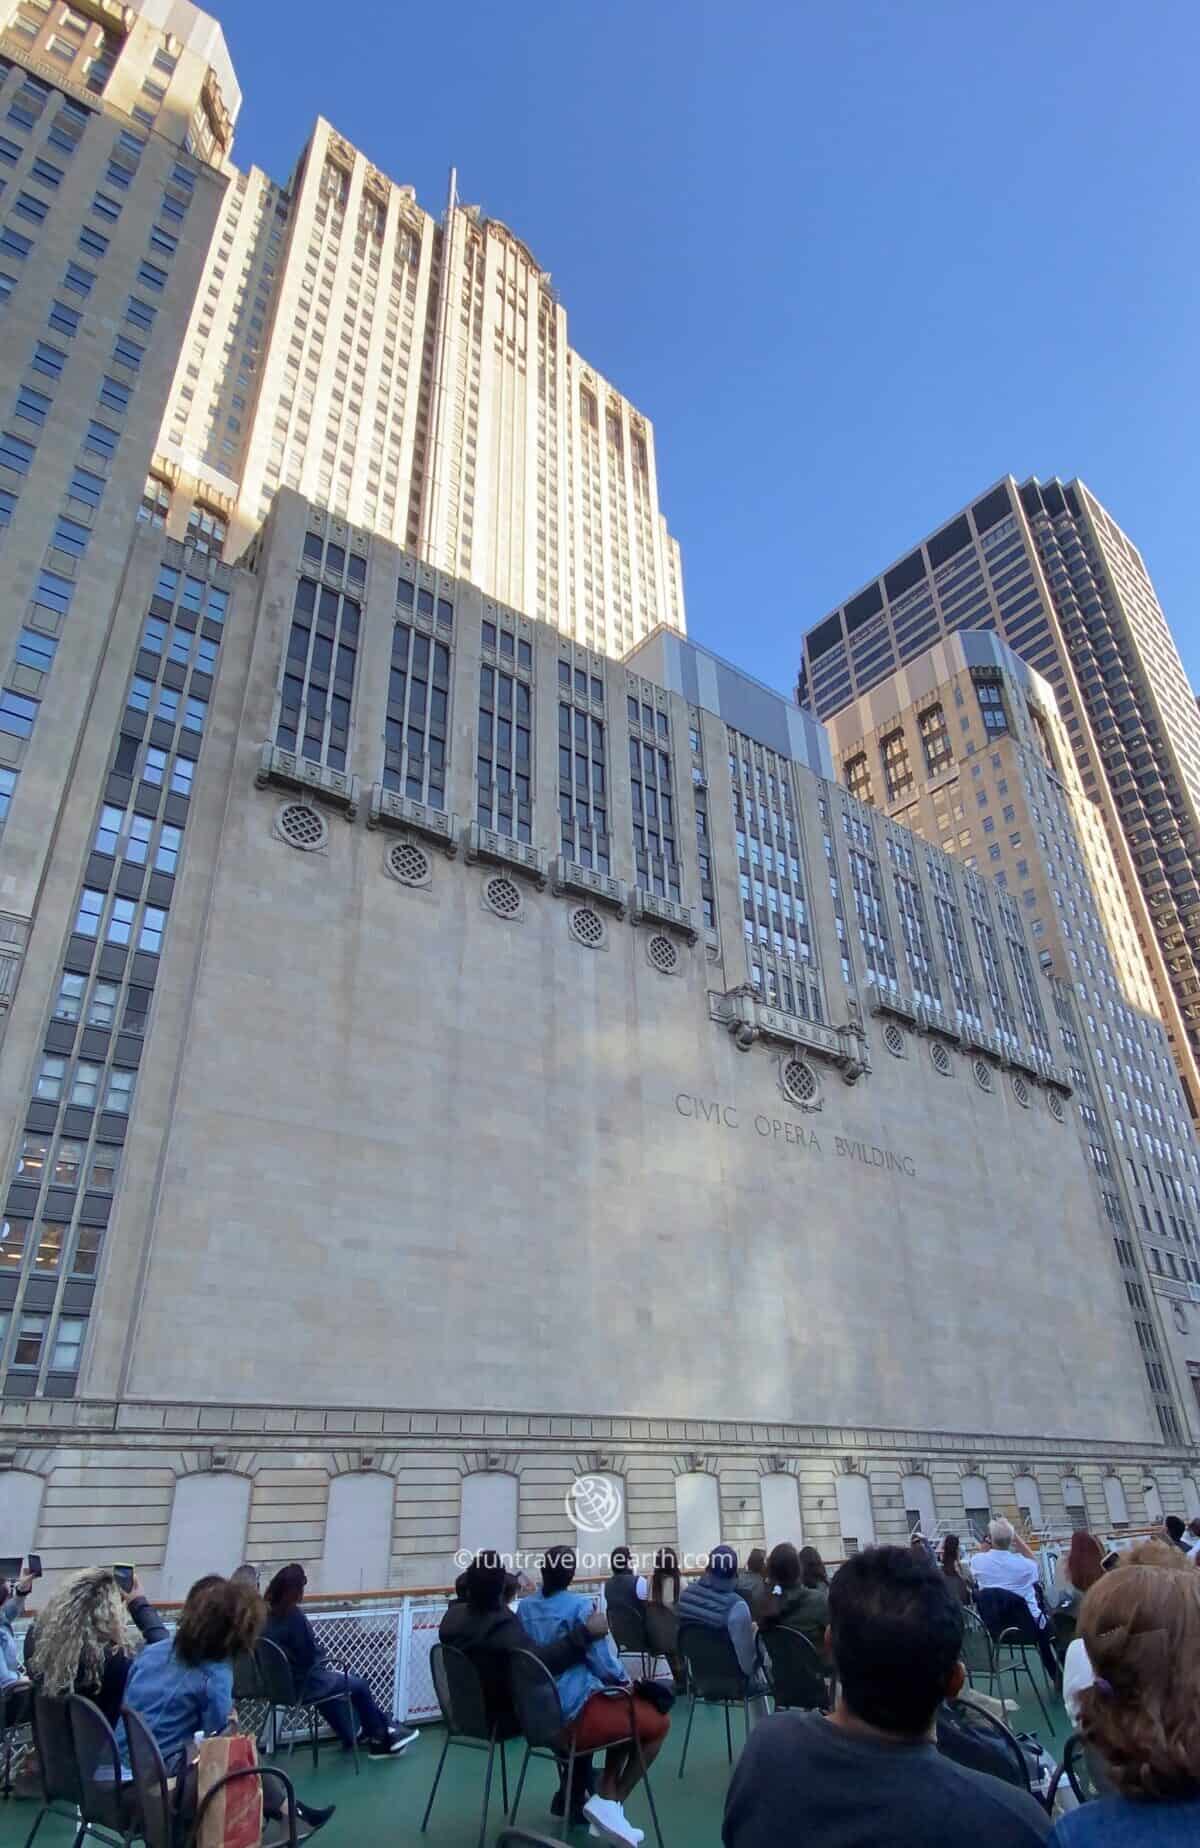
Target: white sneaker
[638,1835]
[608,1820]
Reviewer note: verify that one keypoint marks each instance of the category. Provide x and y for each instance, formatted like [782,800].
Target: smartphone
[34,1565]
[1109,1561]
[10,1569]
[124,1577]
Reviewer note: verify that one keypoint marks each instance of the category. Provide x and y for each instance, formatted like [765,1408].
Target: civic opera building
[447,1060]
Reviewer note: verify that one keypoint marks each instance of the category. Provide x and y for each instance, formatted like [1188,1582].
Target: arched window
[977,1505]
[207,1532]
[20,1506]
[698,1516]
[1191,1497]
[358,1533]
[918,1505]
[1114,1496]
[1075,1503]
[855,1518]
[780,1495]
[487,1515]
[1153,1500]
[1029,1501]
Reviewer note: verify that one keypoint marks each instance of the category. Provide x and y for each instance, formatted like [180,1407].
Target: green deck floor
[385,1802]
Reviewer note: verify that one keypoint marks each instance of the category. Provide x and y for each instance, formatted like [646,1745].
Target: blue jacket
[546,1618]
[177,1700]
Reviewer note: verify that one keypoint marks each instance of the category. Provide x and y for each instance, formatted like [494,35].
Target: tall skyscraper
[416,377]
[1049,570]
[965,746]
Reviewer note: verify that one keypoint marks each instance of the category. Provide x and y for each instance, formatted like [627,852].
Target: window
[15,453]
[87,1251]
[152,276]
[87,487]
[127,353]
[13,1233]
[164,241]
[155,766]
[8,783]
[168,705]
[167,856]
[68,1162]
[70,536]
[140,691]
[47,1254]
[32,405]
[45,172]
[7,285]
[48,359]
[94,242]
[194,714]
[182,774]
[86,1086]
[17,714]
[13,244]
[49,1082]
[101,441]
[106,1164]
[120,923]
[113,394]
[54,592]
[154,922]
[64,320]
[70,997]
[106,207]
[68,1343]
[119,1094]
[140,313]
[31,207]
[102,1008]
[31,1333]
[36,650]
[31,1159]
[141,827]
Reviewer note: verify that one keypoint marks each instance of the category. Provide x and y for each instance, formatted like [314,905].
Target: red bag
[234,1818]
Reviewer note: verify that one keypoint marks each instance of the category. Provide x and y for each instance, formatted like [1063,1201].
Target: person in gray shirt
[869,1774]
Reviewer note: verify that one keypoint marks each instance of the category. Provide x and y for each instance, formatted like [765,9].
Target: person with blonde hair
[1155,1555]
[1141,1715]
[88,1636]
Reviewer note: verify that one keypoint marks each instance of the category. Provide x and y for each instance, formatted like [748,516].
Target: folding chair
[716,1677]
[540,1713]
[280,1692]
[463,1703]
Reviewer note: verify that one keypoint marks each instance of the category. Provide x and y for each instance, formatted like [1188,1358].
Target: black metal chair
[539,1711]
[976,1649]
[16,1714]
[108,1806]
[628,1630]
[662,1634]
[463,1703]
[716,1677]
[58,1769]
[797,1676]
[1082,1773]
[971,1736]
[282,1695]
[1010,1656]
[250,1697]
[157,1807]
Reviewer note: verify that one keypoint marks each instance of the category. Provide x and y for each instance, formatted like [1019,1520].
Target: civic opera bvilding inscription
[549,1070]
[795,1135]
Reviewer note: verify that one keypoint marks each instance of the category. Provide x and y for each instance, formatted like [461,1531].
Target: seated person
[952,1570]
[481,1623]
[1174,1533]
[1141,1715]
[800,1594]
[751,1582]
[289,1628]
[1151,1555]
[625,1590]
[14,1682]
[713,1602]
[1006,1575]
[597,1698]
[869,1775]
[81,1642]
[184,1684]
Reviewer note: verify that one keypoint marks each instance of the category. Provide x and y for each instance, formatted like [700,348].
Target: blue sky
[855,262]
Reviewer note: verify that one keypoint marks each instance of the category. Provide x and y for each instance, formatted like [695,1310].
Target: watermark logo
[593,1504]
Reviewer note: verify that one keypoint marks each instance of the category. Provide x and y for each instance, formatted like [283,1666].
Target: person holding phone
[81,1643]
[14,1590]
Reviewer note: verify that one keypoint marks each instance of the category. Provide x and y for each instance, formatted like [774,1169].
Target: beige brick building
[1016,808]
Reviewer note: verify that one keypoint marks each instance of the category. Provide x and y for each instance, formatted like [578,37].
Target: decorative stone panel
[388,809]
[498,850]
[287,770]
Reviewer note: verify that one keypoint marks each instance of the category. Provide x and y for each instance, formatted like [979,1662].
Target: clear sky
[854,261]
